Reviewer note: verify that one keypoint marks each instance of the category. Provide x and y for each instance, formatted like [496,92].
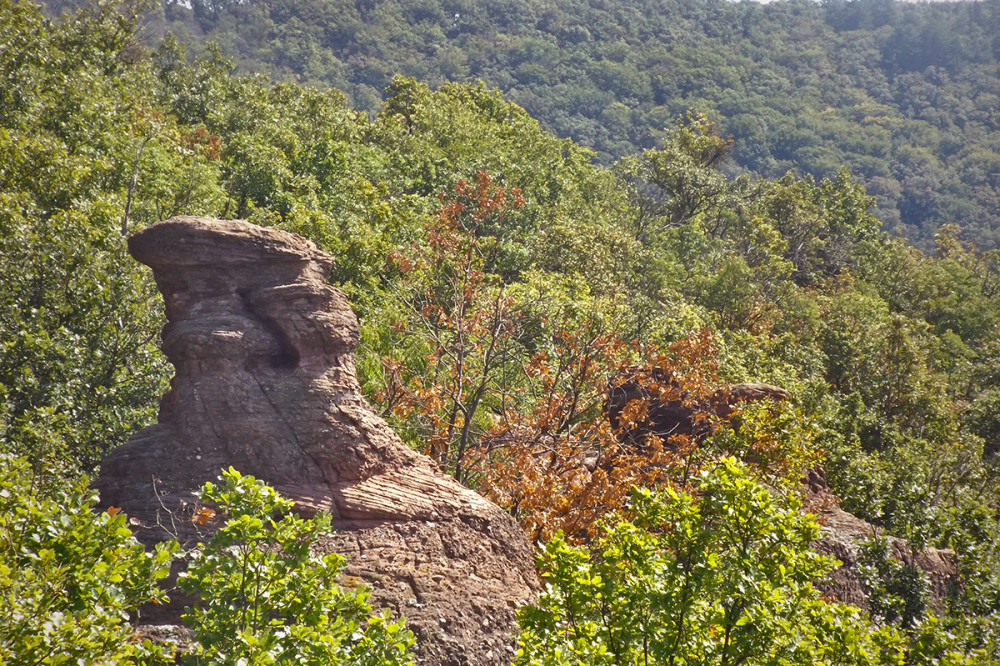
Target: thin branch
[132,183]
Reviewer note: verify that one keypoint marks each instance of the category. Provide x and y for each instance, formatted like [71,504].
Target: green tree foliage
[897,592]
[723,577]
[468,324]
[265,598]
[890,352]
[901,93]
[673,184]
[70,577]
[79,369]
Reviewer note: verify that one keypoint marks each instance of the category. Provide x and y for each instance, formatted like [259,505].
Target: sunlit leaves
[462,315]
[722,576]
[266,598]
[70,577]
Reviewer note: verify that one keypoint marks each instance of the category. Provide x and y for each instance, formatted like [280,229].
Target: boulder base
[842,532]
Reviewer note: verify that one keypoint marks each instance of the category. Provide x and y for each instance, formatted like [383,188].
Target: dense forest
[503,277]
[903,94]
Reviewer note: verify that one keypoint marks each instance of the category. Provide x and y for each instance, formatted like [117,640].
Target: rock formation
[671,409]
[265,382]
[840,534]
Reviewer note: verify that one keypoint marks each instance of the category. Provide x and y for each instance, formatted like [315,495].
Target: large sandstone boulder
[265,381]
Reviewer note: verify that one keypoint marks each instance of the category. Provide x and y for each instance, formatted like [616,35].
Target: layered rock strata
[265,381]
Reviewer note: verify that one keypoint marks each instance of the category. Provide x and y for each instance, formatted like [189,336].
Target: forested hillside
[504,280]
[903,94]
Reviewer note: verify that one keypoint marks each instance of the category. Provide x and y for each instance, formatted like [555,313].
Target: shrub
[266,598]
[723,576]
[897,592]
[70,577]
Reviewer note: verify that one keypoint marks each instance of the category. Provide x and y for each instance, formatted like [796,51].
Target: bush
[722,577]
[266,598]
[70,577]
[897,592]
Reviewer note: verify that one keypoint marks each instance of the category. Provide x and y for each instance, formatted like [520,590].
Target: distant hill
[906,95]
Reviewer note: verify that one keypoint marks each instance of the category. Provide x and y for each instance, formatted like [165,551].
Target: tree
[897,592]
[79,369]
[669,186]
[722,576]
[463,318]
[567,457]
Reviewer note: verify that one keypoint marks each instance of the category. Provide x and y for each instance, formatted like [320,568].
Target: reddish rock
[265,381]
[841,533]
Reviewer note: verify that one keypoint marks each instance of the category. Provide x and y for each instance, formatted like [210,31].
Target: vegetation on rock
[723,576]
[503,279]
[70,577]
[265,598]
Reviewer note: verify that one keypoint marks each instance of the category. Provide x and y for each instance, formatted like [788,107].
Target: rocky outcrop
[265,382]
[671,409]
[841,533]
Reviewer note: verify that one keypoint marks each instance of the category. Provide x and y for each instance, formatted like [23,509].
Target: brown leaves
[554,416]
[561,465]
[460,317]
[203,142]
[203,515]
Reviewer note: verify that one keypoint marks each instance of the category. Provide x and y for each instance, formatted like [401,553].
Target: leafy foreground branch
[70,578]
[720,576]
[266,598]
[723,576]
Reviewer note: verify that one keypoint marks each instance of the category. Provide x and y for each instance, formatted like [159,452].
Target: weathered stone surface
[265,381]
[840,534]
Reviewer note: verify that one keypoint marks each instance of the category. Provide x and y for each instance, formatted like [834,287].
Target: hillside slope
[502,279]
[905,95]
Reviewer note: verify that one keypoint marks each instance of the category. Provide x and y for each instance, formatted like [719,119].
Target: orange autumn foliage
[549,416]
[568,478]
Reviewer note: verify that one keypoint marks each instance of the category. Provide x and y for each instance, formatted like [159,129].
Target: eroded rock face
[265,381]
[842,532]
